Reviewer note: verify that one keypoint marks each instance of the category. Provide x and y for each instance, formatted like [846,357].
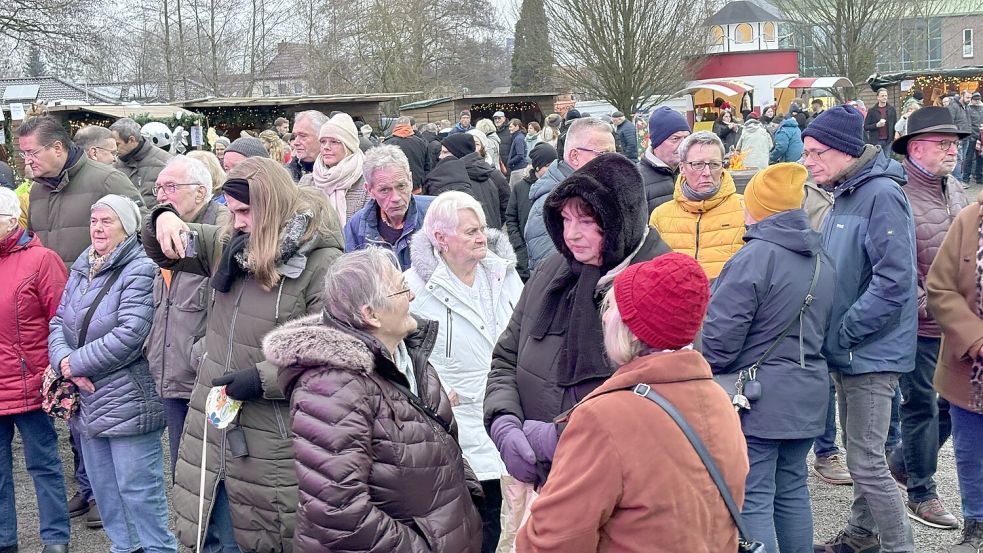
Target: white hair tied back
[442,215]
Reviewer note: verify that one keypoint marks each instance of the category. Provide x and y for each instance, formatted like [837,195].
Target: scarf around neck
[976,377]
[700,196]
[74,154]
[235,262]
[335,182]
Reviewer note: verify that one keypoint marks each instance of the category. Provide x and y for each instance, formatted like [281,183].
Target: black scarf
[74,154]
[229,268]
[568,308]
[126,158]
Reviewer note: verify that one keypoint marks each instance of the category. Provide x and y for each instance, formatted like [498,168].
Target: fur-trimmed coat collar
[425,259]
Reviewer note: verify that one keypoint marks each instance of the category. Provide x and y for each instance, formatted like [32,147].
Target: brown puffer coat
[375,472]
[262,487]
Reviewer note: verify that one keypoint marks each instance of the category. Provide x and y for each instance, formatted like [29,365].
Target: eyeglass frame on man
[940,143]
[703,165]
[806,154]
[33,154]
[595,152]
[171,188]
[114,152]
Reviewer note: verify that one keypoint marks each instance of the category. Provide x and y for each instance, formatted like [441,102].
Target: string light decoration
[506,106]
[934,86]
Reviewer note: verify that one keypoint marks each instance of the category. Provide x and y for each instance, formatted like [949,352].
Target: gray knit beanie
[248,147]
[124,208]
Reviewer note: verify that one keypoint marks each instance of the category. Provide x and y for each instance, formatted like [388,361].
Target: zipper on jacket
[450,331]
[228,363]
[696,254]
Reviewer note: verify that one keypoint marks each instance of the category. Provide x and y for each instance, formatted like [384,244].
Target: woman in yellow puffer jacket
[706,217]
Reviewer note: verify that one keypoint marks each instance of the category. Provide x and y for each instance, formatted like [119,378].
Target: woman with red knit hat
[624,474]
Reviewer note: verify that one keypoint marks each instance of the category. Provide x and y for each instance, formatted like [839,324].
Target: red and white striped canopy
[813,82]
[727,88]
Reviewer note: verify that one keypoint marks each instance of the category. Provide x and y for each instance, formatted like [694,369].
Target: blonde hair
[274,200]
[621,345]
[277,148]
[211,163]
[486,126]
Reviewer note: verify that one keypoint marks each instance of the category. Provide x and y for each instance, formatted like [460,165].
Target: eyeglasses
[806,154]
[595,152]
[944,145]
[33,154]
[115,153]
[400,293]
[702,165]
[171,188]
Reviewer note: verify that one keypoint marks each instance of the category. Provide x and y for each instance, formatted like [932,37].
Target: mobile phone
[237,442]
[191,242]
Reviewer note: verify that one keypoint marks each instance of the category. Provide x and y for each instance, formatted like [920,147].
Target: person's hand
[542,438]
[243,384]
[169,229]
[454,398]
[520,459]
[66,369]
[83,383]
[881,123]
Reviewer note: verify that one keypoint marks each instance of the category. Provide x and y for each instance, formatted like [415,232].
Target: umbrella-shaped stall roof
[814,82]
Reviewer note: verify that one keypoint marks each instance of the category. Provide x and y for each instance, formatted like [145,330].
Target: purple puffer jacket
[375,473]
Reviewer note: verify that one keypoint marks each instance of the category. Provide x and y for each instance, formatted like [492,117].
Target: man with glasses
[139,159]
[705,218]
[66,184]
[936,197]
[393,213]
[98,144]
[870,234]
[587,138]
[660,163]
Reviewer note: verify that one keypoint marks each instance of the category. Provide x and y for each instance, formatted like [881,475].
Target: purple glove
[520,460]
[542,438]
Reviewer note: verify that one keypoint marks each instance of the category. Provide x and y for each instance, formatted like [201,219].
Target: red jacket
[32,279]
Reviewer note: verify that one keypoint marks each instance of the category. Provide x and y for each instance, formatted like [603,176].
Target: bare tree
[631,53]
[47,23]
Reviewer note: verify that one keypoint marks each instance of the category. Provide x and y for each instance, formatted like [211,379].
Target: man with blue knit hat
[659,165]
[870,235]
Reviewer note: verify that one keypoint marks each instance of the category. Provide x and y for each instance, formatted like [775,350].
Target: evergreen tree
[532,55]
[35,65]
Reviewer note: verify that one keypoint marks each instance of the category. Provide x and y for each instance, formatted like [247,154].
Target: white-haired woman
[373,432]
[35,278]
[463,276]
[493,143]
[96,339]
[338,168]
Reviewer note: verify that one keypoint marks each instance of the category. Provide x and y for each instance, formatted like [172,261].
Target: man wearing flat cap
[936,197]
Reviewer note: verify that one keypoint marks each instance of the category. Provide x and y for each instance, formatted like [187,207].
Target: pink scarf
[336,181]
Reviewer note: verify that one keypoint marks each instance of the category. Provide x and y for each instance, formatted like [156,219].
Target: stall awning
[727,88]
[814,82]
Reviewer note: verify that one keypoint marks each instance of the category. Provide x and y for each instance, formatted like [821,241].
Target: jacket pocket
[194,302]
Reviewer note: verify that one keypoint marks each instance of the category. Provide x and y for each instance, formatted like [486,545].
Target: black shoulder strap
[798,317]
[84,329]
[414,400]
[646,391]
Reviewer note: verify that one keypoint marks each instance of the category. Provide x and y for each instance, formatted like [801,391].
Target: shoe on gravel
[845,542]
[832,470]
[92,518]
[932,513]
[972,539]
[77,506]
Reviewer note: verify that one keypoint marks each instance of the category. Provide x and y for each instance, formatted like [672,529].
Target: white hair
[9,203]
[312,115]
[385,156]
[442,215]
[704,138]
[582,131]
[195,171]
[358,279]
[620,344]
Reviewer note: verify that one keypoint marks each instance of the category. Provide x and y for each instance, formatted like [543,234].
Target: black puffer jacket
[375,472]
[523,380]
[484,176]
[659,181]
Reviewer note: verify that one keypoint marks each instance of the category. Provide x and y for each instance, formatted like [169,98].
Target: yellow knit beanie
[775,189]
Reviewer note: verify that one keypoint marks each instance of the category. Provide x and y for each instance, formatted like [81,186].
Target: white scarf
[336,181]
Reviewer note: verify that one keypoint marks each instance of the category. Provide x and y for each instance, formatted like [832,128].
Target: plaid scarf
[976,379]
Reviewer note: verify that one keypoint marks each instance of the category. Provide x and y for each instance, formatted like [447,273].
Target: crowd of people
[511,336]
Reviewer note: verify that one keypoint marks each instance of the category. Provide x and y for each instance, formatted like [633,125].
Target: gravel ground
[830,506]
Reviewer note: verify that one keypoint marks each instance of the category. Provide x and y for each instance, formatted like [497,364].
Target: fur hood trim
[308,342]
[424,257]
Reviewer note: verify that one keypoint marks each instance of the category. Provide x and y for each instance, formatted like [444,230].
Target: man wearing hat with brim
[936,197]
[870,343]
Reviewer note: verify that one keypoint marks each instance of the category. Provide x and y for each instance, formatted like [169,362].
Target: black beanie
[542,155]
[459,144]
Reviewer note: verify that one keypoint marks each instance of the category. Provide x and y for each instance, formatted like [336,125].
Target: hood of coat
[790,122]
[613,187]
[425,260]
[870,165]
[727,188]
[554,175]
[788,229]
[478,170]
[126,251]
[754,126]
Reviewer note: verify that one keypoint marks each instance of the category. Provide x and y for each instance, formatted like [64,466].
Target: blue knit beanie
[663,123]
[840,128]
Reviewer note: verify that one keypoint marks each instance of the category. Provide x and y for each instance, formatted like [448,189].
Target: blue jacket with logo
[870,234]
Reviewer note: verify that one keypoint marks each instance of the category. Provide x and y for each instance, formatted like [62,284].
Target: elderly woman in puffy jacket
[377,462]
[760,293]
[464,278]
[34,278]
[96,339]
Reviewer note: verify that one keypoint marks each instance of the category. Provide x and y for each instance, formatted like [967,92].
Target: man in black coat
[504,135]
[659,165]
[517,211]
[414,147]
[625,136]
[879,123]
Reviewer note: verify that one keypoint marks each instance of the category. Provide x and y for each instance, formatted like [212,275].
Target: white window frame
[967,44]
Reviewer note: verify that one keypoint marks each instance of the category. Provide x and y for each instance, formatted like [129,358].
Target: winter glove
[243,384]
[520,459]
[542,438]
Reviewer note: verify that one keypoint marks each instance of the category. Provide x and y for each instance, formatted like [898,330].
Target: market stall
[709,97]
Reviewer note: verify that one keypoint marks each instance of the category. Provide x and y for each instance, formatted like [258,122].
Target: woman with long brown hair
[267,268]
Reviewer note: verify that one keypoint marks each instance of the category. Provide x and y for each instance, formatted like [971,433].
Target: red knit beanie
[663,301]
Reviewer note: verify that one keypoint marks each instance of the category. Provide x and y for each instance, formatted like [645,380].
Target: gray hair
[385,156]
[703,138]
[430,127]
[195,171]
[312,115]
[442,215]
[9,203]
[620,343]
[90,136]
[581,130]
[357,279]
[126,128]
[404,120]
